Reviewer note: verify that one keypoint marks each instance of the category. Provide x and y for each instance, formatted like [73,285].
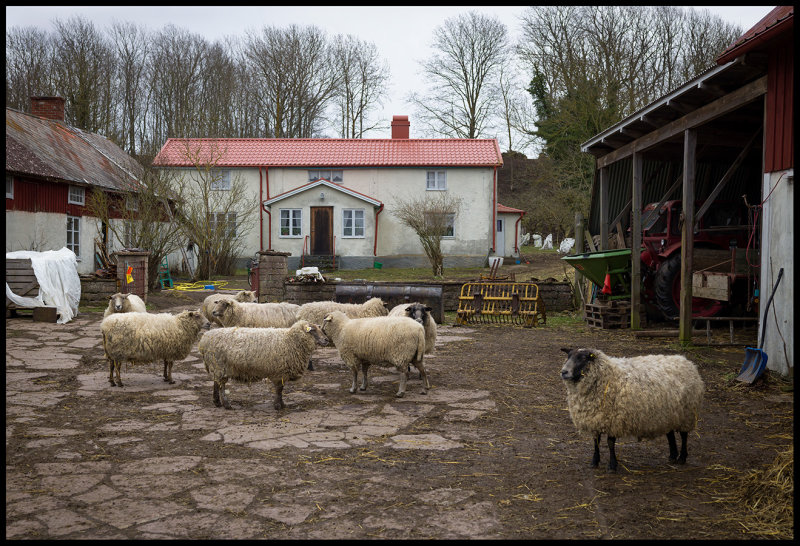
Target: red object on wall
[779,123]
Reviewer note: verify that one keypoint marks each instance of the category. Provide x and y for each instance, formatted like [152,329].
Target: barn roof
[775,22]
[330,152]
[51,149]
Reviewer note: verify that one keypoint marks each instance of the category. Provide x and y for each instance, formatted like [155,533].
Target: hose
[199,285]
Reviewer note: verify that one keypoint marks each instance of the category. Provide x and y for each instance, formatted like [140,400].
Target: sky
[402,34]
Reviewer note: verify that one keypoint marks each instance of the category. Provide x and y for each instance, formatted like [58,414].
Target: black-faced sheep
[422,314]
[641,397]
[253,354]
[242,296]
[255,315]
[385,341]
[144,337]
[124,303]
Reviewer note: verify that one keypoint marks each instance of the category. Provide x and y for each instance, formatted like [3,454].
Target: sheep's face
[578,360]
[218,307]
[327,321]
[247,296]
[317,333]
[117,302]
[417,312]
[198,317]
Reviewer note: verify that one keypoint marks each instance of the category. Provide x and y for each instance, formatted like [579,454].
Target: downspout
[375,247]
[264,208]
[260,216]
[516,233]
[494,209]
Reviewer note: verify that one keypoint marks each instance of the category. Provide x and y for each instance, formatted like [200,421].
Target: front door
[321,231]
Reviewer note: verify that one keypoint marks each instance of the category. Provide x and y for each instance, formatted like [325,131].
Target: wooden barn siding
[32,195]
[779,145]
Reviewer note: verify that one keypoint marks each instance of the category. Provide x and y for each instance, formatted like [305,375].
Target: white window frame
[451,220]
[131,203]
[9,185]
[72,199]
[331,175]
[72,223]
[439,180]
[220,179]
[353,225]
[291,215]
[227,218]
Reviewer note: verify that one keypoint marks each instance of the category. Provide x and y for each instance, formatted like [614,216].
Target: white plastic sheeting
[537,240]
[548,242]
[312,272]
[566,245]
[59,284]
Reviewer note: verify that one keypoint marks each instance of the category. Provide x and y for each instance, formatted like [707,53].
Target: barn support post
[636,240]
[603,208]
[687,236]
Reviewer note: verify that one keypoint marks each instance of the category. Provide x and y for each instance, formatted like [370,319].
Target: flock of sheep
[640,397]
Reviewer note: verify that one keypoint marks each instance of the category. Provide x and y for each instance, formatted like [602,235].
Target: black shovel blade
[755,361]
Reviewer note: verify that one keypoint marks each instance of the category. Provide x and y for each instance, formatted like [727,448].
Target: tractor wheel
[668,292]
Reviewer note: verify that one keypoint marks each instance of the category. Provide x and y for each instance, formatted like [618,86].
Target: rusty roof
[331,152]
[775,22]
[45,148]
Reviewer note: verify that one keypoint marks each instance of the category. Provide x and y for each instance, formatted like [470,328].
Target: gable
[325,184]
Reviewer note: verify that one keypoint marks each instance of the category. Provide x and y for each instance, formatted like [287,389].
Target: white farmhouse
[336,197]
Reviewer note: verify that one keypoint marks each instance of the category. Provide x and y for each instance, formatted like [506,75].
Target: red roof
[773,23]
[331,152]
[503,208]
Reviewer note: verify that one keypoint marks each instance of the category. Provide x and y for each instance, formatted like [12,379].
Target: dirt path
[489,452]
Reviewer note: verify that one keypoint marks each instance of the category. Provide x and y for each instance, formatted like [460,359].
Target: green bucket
[377,265]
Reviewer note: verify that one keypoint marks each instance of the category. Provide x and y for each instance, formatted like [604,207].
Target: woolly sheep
[124,303]
[144,337]
[252,354]
[255,315]
[422,314]
[242,296]
[642,397]
[384,341]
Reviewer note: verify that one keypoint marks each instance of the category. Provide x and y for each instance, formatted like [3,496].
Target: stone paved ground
[489,452]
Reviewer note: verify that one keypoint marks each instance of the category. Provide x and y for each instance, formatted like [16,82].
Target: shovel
[755,360]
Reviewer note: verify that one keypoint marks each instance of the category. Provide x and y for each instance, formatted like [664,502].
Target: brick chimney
[48,107]
[400,125]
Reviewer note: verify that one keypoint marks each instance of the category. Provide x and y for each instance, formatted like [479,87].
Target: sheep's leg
[673,447]
[310,364]
[278,404]
[111,372]
[354,368]
[117,366]
[423,375]
[401,390]
[684,439]
[225,403]
[216,395]
[364,375]
[596,456]
[612,462]
[168,372]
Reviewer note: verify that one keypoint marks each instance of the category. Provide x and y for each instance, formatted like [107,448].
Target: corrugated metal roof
[46,148]
[763,29]
[323,152]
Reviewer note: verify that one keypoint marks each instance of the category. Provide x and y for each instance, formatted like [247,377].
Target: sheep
[242,296]
[144,337]
[642,397]
[124,303]
[422,314]
[315,311]
[255,315]
[384,341]
[252,354]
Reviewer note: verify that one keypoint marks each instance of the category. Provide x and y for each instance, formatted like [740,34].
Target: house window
[443,221]
[499,226]
[77,196]
[291,222]
[220,179]
[131,203]
[353,223]
[9,187]
[74,234]
[223,221]
[436,180]
[327,174]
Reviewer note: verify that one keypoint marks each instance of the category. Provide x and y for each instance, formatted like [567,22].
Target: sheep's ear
[111,297]
[308,328]
[566,350]
[429,309]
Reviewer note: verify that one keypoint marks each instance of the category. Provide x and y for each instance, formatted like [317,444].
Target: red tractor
[723,227]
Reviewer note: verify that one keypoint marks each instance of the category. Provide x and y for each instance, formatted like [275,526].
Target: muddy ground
[489,452]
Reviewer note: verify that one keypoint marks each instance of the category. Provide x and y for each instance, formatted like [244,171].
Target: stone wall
[304,293]
[95,291]
[272,272]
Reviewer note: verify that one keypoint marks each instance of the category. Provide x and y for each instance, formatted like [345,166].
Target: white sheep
[641,397]
[253,354]
[145,337]
[254,315]
[124,303]
[243,296]
[385,341]
[422,314]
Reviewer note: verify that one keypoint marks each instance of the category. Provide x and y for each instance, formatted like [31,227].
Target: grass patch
[565,318]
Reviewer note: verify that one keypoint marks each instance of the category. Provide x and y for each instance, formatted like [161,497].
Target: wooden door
[321,231]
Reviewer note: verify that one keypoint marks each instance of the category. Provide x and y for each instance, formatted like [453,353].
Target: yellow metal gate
[499,302]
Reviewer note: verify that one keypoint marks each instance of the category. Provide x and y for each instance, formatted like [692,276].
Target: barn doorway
[321,231]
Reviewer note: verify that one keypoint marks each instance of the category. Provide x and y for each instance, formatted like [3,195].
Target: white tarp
[566,245]
[312,272]
[537,240]
[548,242]
[59,284]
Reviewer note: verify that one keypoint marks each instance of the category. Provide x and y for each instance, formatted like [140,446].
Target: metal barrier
[501,302]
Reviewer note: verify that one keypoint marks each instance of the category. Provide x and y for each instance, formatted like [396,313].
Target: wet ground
[489,452]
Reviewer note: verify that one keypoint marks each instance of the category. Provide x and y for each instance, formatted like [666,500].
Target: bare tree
[431,218]
[28,58]
[132,47]
[462,73]
[363,78]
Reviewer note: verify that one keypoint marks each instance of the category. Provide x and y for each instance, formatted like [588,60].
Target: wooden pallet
[613,314]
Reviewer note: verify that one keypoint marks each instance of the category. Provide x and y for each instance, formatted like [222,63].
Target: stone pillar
[137,260]
[272,271]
